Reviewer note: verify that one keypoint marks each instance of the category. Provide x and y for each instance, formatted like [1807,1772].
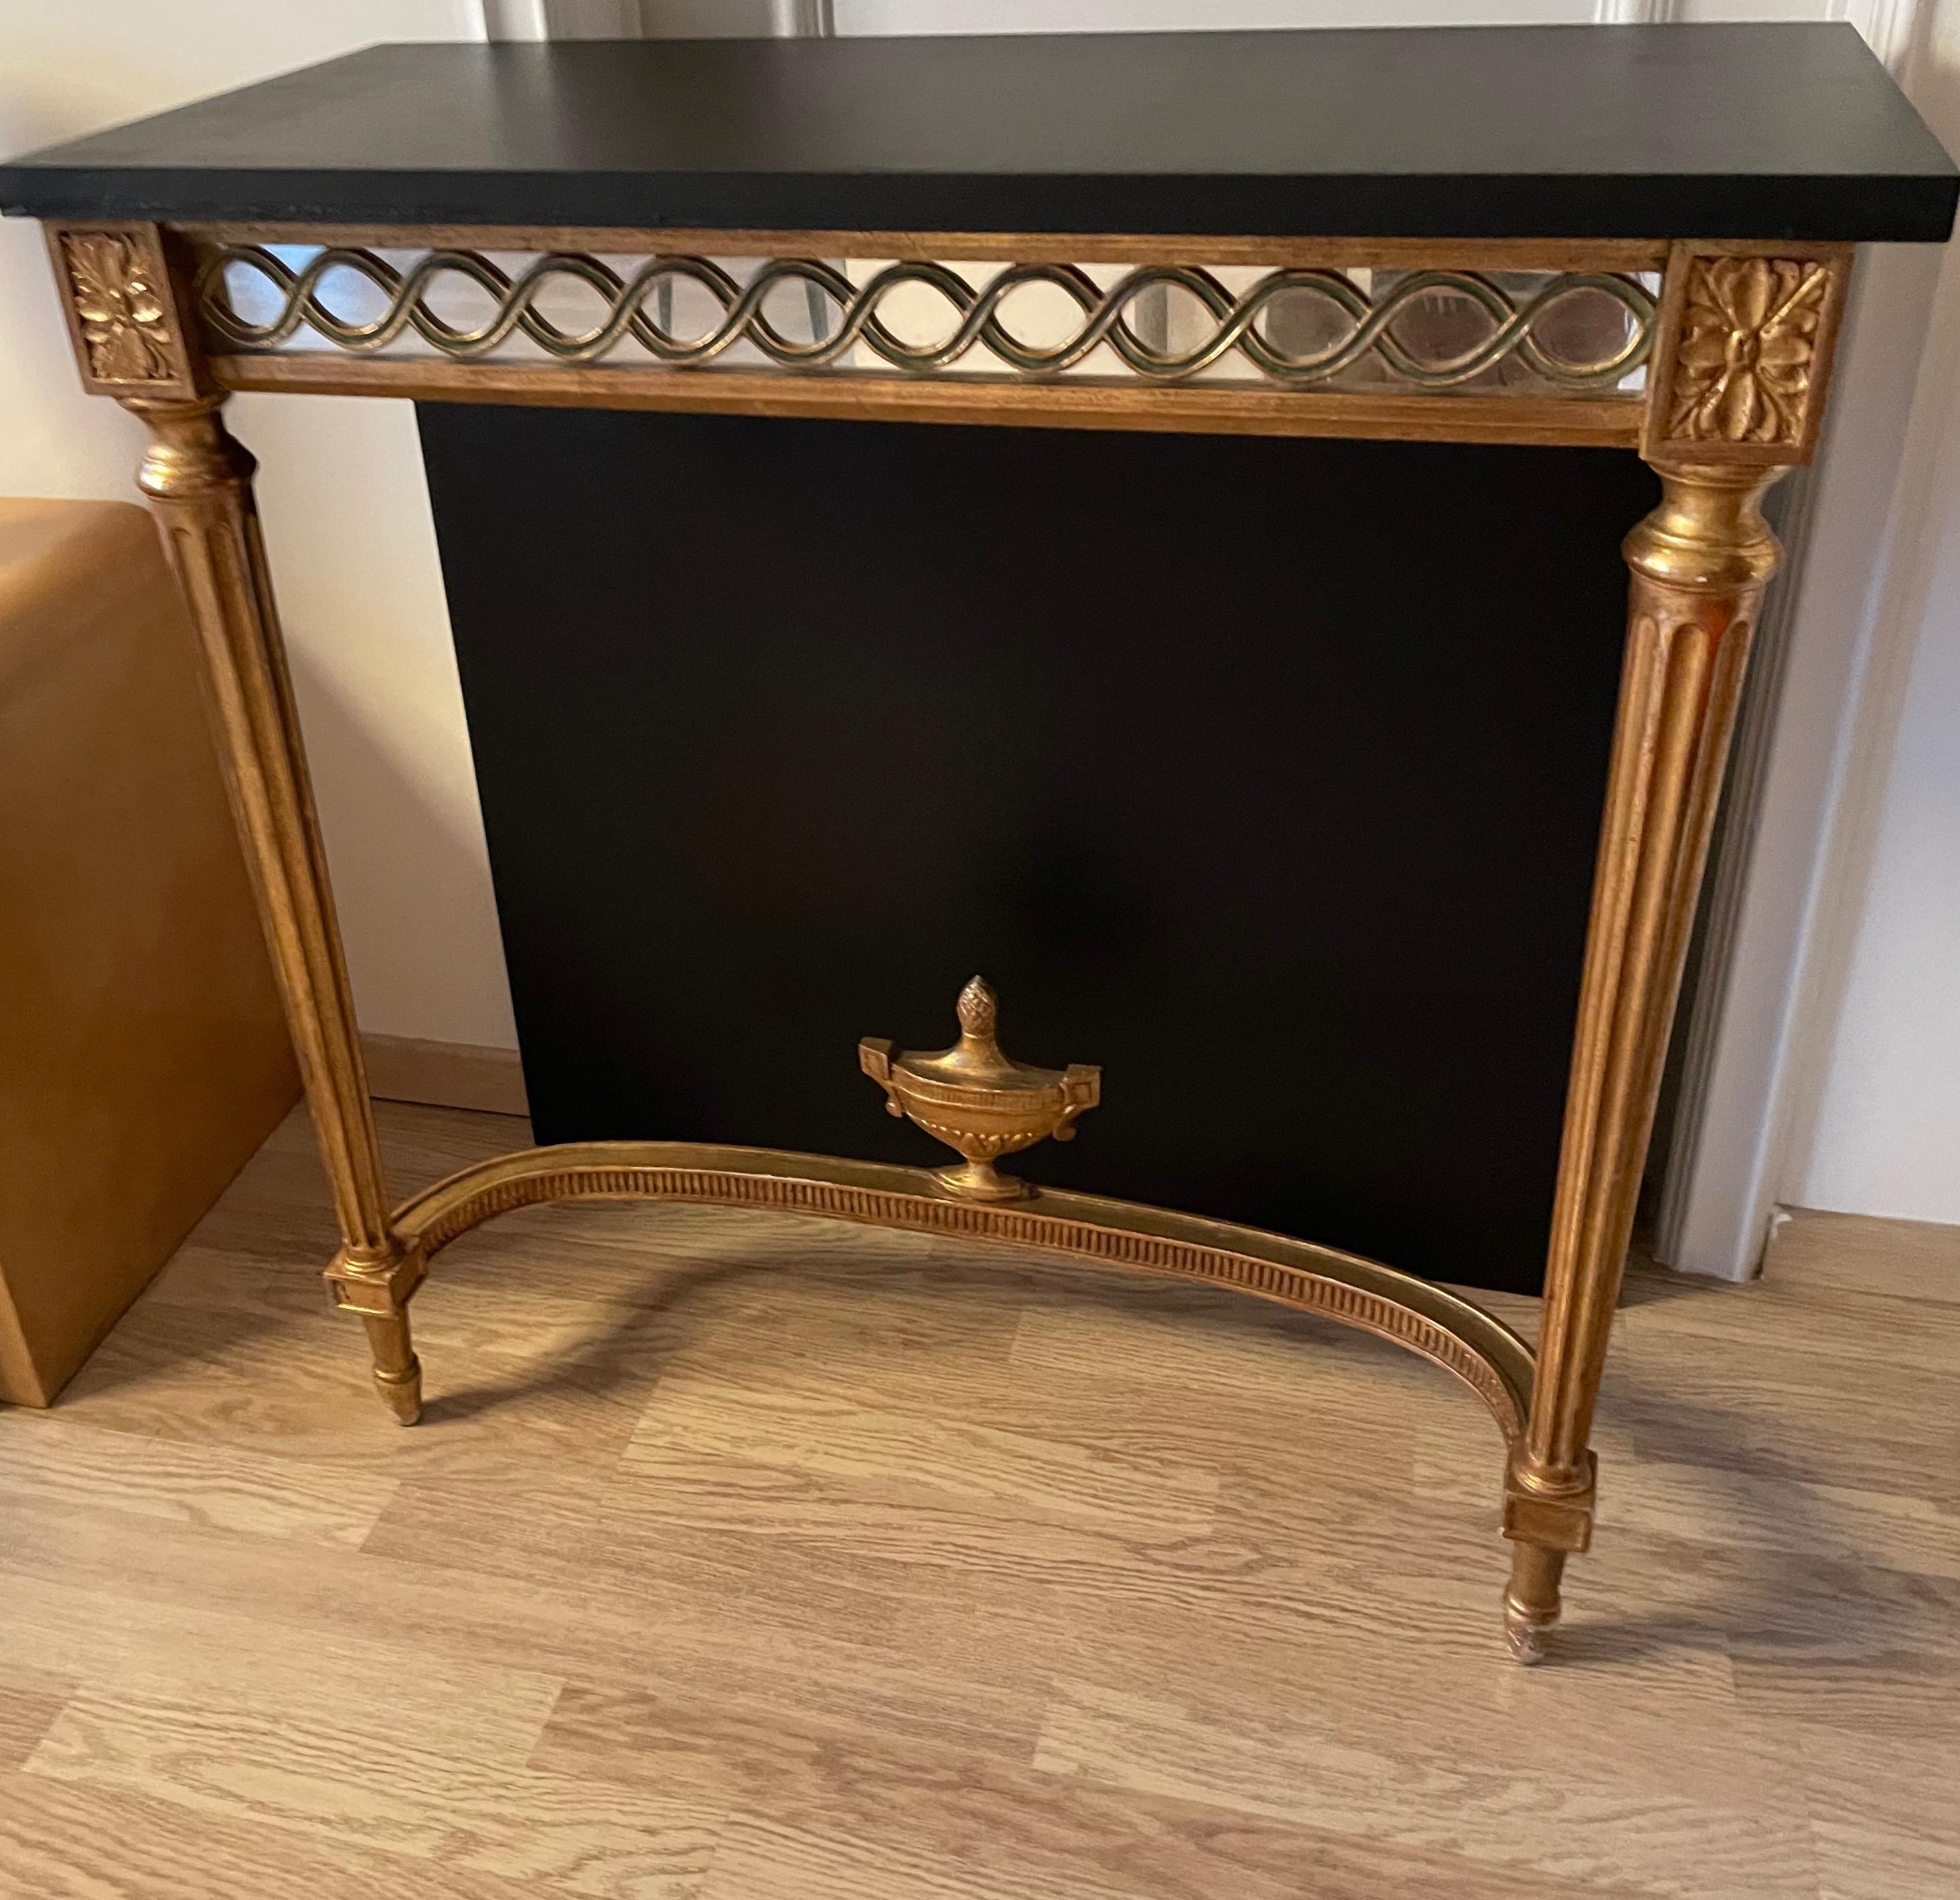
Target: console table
[1643,237]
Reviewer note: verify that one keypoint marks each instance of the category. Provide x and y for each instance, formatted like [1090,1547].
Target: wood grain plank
[1392,1665]
[1780,1411]
[30,1697]
[1859,1255]
[399,1794]
[865,1604]
[954,1450]
[1860,1334]
[57,1461]
[294,1387]
[1868,1864]
[1226,1368]
[68,1840]
[1904,1787]
[592,1628]
[824,1811]
[1707,1501]
[191,1646]
[1582,1826]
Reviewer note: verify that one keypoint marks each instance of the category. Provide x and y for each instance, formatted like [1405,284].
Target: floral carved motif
[1746,364]
[119,304]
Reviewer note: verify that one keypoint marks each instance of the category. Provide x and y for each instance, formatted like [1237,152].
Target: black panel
[1266,773]
[1756,132]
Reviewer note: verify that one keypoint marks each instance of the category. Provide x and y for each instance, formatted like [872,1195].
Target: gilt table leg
[199,481]
[1699,564]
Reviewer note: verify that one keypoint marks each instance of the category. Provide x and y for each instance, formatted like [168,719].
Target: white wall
[353,551]
[1175,16]
[1880,1128]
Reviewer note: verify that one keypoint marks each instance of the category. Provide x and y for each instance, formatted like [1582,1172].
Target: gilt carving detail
[1748,356]
[121,308]
[972,1098]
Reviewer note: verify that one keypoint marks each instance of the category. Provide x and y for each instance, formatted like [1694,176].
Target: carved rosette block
[1743,353]
[977,1101]
[121,312]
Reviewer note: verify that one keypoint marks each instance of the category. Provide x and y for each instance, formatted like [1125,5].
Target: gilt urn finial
[977,1101]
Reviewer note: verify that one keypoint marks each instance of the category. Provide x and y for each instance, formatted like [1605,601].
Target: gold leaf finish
[1742,352]
[1748,349]
[1699,564]
[120,307]
[198,481]
[1429,1321]
[981,1104]
[1360,318]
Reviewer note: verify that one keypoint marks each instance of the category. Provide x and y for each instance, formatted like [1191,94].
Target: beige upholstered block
[142,1057]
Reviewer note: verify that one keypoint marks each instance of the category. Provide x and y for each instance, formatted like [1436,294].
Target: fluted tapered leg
[1699,564]
[199,481]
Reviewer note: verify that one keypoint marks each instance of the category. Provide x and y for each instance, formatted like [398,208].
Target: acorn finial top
[979,1012]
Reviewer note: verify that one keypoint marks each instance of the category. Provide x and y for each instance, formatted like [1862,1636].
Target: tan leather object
[142,1055]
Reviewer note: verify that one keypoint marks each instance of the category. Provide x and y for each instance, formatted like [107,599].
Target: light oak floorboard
[436,1801]
[30,1698]
[220,1485]
[1916,1258]
[76,1841]
[741,1558]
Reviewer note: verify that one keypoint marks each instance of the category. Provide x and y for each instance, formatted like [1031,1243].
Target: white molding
[1636,12]
[514,19]
[1749,1067]
[446,1075]
[657,19]
[591,19]
[1891,27]
[1751,1073]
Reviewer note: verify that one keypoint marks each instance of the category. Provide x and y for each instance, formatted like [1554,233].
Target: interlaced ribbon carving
[1514,321]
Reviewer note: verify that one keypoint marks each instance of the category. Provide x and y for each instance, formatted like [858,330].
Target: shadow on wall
[410,876]
[361,595]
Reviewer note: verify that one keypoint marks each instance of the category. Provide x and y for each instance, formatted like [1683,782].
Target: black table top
[1750,131]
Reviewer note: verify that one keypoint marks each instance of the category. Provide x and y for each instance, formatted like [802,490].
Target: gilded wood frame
[1737,366]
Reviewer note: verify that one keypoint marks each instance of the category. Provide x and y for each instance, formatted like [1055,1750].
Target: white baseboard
[447,1075]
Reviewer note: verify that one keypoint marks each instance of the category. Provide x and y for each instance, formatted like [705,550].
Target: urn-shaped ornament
[977,1101]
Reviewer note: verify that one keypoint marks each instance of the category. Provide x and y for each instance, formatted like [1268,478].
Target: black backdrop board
[1266,773]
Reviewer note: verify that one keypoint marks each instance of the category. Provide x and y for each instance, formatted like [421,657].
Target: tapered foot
[402,1393]
[1531,1602]
[1524,1632]
[398,1373]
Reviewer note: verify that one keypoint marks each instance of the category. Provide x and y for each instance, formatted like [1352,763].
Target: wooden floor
[740,1558]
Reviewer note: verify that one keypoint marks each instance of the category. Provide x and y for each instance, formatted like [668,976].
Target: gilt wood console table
[1643,238]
